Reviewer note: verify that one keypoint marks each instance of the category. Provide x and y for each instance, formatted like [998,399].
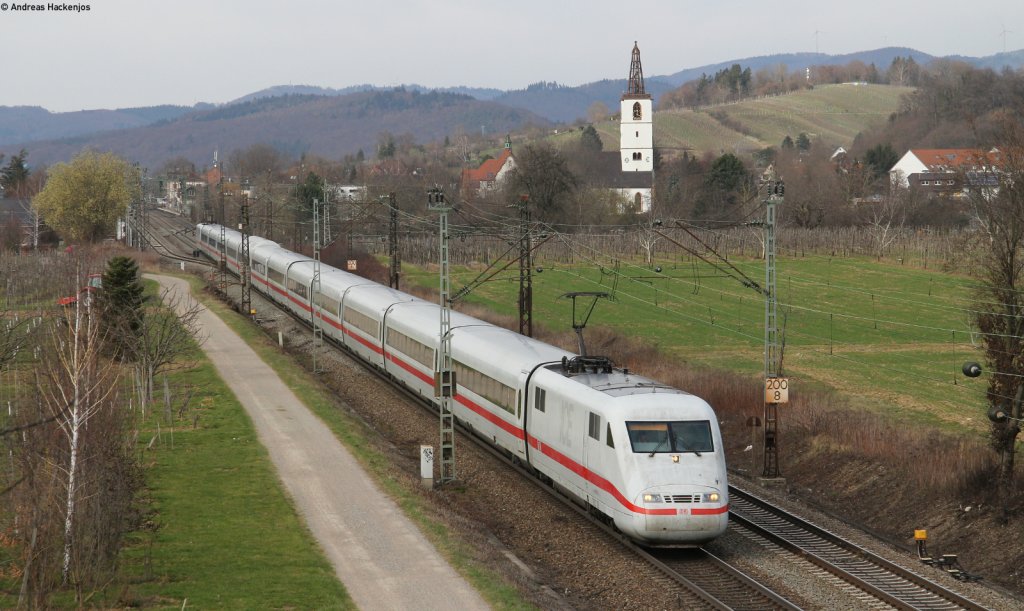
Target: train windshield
[678,437]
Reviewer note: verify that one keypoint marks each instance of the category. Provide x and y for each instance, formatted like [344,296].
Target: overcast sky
[124,53]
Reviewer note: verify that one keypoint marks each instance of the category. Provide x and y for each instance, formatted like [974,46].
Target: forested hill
[297,124]
[26,123]
[960,107]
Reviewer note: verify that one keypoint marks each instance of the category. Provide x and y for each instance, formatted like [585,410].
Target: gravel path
[380,556]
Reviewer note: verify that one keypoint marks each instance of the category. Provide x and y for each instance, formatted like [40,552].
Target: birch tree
[75,386]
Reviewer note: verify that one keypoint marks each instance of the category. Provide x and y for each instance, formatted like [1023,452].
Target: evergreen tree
[880,159]
[803,142]
[121,303]
[14,175]
[787,143]
[723,184]
[590,140]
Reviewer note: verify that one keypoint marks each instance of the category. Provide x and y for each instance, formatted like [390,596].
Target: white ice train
[646,456]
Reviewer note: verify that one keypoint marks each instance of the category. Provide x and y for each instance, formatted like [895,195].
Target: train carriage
[364,309]
[491,365]
[411,331]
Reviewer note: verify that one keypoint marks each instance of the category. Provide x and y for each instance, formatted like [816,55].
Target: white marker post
[427,466]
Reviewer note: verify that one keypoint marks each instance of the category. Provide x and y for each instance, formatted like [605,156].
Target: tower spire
[636,74]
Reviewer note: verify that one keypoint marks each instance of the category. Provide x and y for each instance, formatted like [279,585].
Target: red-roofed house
[490,174]
[945,170]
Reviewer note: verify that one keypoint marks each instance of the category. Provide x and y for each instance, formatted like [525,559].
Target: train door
[592,454]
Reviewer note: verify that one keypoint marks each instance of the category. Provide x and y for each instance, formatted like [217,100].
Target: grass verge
[220,531]
[356,437]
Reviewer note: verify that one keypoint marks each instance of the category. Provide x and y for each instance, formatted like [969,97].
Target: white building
[636,138]
[947,170]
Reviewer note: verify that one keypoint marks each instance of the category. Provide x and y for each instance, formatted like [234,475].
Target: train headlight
[711,497]
[652,498]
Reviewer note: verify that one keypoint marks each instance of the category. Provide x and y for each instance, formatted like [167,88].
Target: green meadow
[891,338]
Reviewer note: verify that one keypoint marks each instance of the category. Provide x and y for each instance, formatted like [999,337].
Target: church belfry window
[638,113]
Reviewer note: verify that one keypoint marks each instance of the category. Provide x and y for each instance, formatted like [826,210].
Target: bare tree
[165,333]
[887,218]
[648,238]
[1000,314]
[76,387]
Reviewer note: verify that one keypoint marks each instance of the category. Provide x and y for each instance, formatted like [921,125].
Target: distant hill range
[333,122]
[332,126]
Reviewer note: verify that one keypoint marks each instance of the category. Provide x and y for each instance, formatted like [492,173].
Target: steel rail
[881,578]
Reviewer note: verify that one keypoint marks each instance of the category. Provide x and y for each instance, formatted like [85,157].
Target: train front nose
[672,514]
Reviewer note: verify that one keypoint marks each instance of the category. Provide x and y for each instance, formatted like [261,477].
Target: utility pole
[129,225]
[525,264]
[776,387]
[395,268]
[145,211]
[444,377]
[327,215]
[245,272]
[270,208]
[222,267]
[314,299]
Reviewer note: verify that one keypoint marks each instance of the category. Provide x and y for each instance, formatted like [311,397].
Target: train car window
[259,268]
[232,253]
[608,434]
[681,436]
[486,386]
[298,288]
[538,399]
[415,350]
[276,275]
[366,324]
[595,426]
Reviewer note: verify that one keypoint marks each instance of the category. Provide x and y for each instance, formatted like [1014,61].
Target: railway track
[168,236]
[705,581]
[884,580]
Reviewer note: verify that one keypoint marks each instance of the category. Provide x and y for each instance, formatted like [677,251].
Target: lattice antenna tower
[772,352]
[444,377]
[525,264]
[395,269]
[245,272]
[314,298]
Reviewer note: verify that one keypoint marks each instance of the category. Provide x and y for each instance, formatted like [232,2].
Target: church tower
[636,126]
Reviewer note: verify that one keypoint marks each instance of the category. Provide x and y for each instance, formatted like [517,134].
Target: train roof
[510,352]
[377,297]
[617,382]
